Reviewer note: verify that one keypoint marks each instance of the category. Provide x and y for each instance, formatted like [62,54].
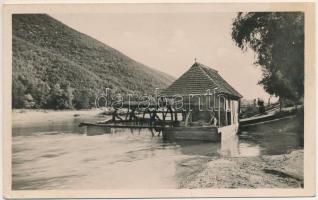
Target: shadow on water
[186,147]
[276,137]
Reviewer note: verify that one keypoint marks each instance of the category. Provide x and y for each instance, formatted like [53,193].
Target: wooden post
[183,115]
[188,118]
[238,109]
[225,111]
[171,112]
[143,115]
[113,116]
[127,114]
[219,112]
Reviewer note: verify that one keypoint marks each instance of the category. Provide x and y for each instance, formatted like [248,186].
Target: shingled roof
[197,80]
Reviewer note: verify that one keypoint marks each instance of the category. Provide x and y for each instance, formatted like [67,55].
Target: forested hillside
[57,67]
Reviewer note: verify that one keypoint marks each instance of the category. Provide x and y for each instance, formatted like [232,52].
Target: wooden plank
[115,125]
[192,133]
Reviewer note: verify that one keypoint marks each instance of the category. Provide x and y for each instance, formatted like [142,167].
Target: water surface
[50,151]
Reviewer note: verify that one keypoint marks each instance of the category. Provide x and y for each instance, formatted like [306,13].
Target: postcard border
[309,137]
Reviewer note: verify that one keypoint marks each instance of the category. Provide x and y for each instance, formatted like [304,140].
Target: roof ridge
[206,67]
[198,79]
[209,76]
[228,87]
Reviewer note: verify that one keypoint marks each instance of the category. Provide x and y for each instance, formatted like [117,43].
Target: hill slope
[55,66]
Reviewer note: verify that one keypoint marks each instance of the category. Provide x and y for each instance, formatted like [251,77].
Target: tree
[18,92]
[40,93]
[58,98]
[82,99]
[277,38]
[69,96]
[28,101]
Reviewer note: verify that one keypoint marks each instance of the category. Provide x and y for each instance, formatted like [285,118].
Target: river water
[50,151]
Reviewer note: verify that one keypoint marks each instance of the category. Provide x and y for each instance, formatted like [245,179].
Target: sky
[170,42]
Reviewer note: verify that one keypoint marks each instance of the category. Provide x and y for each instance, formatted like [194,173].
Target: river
[50,151]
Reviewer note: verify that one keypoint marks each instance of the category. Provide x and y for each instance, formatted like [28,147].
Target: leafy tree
[40,91]
[277,38]
[68,95]
[57,99]
[28,101]
[82,99]
[43,91]
[18,92]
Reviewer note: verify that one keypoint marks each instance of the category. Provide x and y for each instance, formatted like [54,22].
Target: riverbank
[275,171]
[32,115]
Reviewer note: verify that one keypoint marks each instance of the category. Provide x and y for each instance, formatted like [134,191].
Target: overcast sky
[170,42]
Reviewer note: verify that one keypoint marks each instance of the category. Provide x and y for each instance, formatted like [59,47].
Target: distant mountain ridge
[55,66]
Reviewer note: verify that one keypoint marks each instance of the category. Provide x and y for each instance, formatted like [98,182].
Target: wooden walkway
[116,125]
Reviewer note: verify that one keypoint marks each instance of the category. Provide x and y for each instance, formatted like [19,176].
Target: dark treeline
[56,67]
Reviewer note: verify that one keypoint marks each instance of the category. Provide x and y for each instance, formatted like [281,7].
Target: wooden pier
[151,119]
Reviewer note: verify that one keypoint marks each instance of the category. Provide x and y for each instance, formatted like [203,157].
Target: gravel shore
[277,171]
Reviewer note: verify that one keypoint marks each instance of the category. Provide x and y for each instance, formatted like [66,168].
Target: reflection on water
[56,154]
[229,146]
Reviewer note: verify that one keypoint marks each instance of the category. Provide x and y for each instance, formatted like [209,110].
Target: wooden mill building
[199,105]
[205,93]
